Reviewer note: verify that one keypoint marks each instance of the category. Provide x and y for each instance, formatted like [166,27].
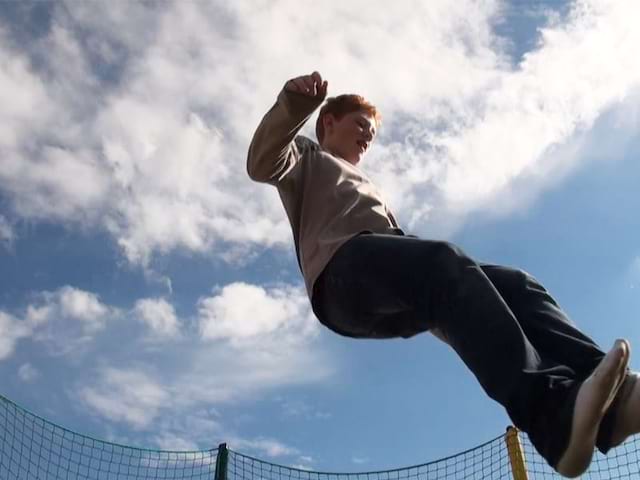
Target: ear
[327,121]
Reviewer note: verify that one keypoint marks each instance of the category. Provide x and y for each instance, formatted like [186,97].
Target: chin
[356,158]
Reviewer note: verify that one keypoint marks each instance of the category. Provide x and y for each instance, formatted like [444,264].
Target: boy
[366,279]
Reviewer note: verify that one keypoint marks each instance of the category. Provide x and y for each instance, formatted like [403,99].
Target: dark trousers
[507,329]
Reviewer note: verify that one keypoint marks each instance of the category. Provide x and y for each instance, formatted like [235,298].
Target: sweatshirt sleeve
[272,152]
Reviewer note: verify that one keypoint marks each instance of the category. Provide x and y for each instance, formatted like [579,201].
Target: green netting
[33,448]
[487,461]
[621,462]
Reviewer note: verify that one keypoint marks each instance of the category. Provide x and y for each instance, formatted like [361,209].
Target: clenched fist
[311,85]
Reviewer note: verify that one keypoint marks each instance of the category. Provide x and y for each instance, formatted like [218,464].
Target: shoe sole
[577,456]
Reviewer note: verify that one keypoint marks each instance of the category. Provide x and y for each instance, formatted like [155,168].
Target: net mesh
[487,461]
[621,462]
[34,448]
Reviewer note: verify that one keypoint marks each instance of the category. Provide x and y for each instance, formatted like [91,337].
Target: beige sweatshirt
[327,200]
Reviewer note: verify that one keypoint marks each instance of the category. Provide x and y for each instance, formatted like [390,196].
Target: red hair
[342,105]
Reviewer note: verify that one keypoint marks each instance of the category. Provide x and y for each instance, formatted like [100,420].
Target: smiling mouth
[362,145]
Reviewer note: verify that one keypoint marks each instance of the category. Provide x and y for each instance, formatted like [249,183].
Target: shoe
[594,398]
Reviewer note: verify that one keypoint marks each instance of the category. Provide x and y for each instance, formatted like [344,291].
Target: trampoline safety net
[34,448]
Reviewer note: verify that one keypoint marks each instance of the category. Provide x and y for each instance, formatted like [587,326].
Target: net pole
[516,454]
[221,462]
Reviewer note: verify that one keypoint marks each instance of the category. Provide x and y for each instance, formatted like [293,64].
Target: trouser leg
[381,286]
[544,323]
[550,331]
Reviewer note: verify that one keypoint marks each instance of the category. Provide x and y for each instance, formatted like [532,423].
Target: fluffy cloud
[249,341]
[28,372]
[171,442]
[159,316]
[204,377]
[62,184]
[137,397]
[67,319]
[82,306]
[206,369]
[11,330]
[156,157]
[126,395]
[23,96]
[242,312]
[264,447]
[515,129]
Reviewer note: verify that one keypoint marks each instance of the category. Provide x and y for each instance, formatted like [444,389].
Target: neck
[328,148]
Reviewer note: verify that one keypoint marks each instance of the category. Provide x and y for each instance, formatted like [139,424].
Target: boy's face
[350,137]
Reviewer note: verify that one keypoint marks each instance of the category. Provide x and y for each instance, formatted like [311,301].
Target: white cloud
[23,96]
[67,319]
[190,377]
[172,442]
[11,330]
[62,184]
[159,316]
[122,383]
[159,143]
[263,446]
[513,129]
[28,372]
[222,205]
[47,166]
[233,357]
[263,337]
[235,363]
[126,395]
[240,312]
[119,30]
[194,430]
[83,306]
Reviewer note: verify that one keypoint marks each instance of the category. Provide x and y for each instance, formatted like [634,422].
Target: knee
[528,279]
[450,252]
[521,282]
[450,257]
[521,277]
[508,277]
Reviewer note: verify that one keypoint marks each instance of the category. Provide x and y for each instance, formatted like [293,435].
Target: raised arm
[272,152]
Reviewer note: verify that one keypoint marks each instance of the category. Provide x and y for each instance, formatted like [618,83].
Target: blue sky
[149,292]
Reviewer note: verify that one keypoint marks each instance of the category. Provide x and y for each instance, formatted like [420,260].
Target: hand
[310,85]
